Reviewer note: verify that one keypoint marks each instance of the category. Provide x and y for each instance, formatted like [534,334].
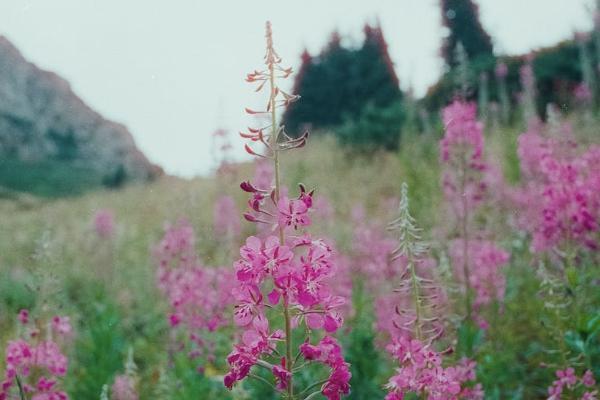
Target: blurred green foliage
[48,178]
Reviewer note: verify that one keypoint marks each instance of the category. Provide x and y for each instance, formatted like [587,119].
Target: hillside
[51,142]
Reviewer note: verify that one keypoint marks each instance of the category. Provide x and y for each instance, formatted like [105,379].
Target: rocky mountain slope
[42,119]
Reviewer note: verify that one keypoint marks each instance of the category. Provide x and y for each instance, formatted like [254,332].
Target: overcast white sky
[172,71]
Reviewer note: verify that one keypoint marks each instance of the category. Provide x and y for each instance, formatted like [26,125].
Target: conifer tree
[338,84]
[461,18]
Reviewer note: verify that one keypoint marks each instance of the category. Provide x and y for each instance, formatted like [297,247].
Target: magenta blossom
[567,383]
[199,296]
[421,372]
[461,153]
[559,199]
[39,367]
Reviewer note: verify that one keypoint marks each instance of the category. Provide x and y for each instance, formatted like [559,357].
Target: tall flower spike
[424,324]
[461,150]
[421,371]
[290,271]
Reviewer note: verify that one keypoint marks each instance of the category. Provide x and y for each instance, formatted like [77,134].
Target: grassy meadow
[52,261]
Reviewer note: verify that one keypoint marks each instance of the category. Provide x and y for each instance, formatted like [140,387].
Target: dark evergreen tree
[340,82]
[461,18]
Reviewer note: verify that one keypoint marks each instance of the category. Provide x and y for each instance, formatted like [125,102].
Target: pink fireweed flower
[463,133]
[292,270]
[292,213]
[568,383]
[24,317]
[49,355]
[559,197]
[199,296]
[45,390]
[461,151]
[588,379]
[38,366]
[104,223]
[329,352]
[177,247]
[249,304]
[282,375]
[421,372]
[19,358]
[257,340]
[62,325]
[285,213]
[259,258]
[466,182]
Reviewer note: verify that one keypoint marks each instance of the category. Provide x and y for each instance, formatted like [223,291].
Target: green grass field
[52,261]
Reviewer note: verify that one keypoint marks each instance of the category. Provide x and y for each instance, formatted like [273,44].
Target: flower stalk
[271,59]
[285,271]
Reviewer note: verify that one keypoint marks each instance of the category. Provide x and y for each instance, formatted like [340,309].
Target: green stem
[416,297]
[313,395]
[20,386]
[314,385]
[261,379]
[465,237]
[289,365]
[266,365]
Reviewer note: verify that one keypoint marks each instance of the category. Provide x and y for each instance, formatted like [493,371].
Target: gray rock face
[41,118]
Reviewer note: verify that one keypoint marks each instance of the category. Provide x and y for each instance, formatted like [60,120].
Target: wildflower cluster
[285,274]
[35,363]
[420,368]
[461,151]
[421,372]
[560,194]
[568,383]
[199,296]
[476,261]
